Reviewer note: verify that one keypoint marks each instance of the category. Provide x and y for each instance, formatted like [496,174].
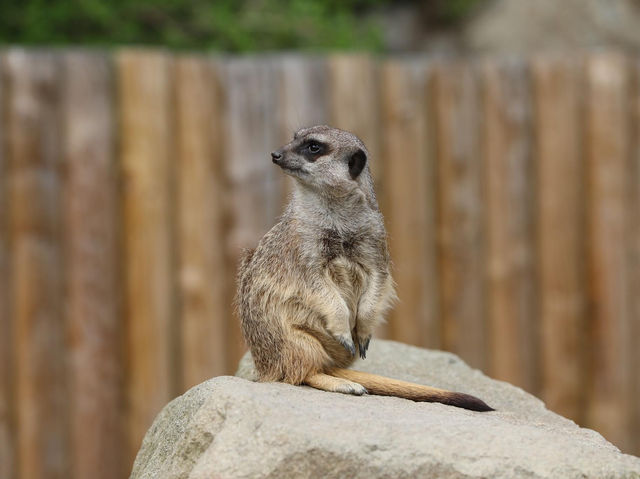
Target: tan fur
[318,283]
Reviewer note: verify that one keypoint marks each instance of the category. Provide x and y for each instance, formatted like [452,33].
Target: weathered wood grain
[302,94]
[560,233]
[634,261]
[609,221]
[634,254]
[91,250]
[144,89]
[508,170]
[410,202]
[33,160]
[7,414]
[200,235]
[460,211]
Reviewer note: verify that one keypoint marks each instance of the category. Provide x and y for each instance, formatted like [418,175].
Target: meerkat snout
[275,156]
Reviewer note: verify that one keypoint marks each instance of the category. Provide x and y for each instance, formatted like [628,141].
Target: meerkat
[312,292]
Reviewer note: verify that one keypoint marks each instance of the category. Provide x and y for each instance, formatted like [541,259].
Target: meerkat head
[326,159]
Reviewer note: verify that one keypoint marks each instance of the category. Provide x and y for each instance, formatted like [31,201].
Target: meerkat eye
[314,148]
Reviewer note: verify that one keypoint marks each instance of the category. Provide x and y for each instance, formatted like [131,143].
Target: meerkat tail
[383,386]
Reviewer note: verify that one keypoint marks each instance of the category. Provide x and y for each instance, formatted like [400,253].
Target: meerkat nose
[275,156]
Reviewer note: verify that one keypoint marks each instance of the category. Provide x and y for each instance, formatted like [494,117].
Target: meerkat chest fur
[346,266]
[345,243]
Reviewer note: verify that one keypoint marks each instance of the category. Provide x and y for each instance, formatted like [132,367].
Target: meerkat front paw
[347,343]
[363,345]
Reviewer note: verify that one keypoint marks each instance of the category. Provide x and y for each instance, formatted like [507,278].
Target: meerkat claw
[359,391]
[362,351]
[363,345]
[347,343]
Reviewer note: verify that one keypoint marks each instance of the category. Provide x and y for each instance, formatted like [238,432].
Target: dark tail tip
[467,401]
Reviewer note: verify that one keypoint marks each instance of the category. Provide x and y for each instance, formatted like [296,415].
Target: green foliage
[226,25]
[237,26]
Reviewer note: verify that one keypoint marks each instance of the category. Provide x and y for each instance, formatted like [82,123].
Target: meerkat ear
[356,163]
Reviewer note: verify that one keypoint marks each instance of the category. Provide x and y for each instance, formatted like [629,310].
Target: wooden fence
[130,181]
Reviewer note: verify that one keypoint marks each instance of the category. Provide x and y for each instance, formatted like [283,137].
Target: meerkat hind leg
[333,384]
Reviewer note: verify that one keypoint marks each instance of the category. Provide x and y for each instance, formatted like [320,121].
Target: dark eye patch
[312,149]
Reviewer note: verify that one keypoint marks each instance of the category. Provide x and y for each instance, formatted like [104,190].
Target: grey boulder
[229,427]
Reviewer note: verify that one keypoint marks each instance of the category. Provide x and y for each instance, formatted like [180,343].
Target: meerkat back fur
[311,294]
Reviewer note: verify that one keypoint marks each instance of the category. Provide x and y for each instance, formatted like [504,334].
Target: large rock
[229,427]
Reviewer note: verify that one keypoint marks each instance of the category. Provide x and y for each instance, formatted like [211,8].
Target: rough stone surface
[229,427]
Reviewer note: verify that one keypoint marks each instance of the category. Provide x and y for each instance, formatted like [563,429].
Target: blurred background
[134,168]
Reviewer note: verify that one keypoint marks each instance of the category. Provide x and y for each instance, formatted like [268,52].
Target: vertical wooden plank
[608,163]
[560,233]
[7,451]
[255,185]
[460,212]
[33,153]
[303,94]
[144,85]
[635,257]
[409,208]
[355,107]
[508,173]
[93,315]
[302,100]
[200,234]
